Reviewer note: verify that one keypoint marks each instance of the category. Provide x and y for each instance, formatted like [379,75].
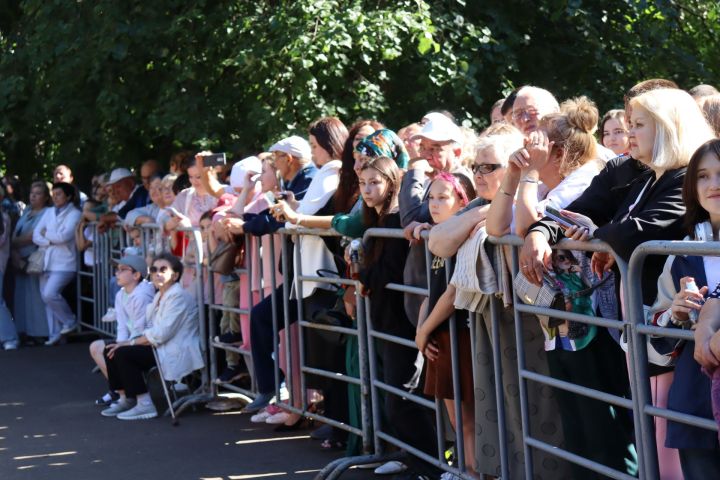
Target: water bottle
[356,258]
[691,286]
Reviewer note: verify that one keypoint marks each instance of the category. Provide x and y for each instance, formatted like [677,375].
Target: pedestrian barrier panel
[372,429]
[647,411]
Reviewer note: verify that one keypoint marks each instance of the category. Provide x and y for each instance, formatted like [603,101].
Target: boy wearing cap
[131,302]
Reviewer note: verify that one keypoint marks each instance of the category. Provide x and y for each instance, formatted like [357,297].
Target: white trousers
[58,311]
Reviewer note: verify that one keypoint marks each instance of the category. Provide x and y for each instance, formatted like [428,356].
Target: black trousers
[126,368]
[595,429]
[411,422]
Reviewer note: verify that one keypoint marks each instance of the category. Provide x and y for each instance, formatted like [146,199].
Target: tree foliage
[105,83]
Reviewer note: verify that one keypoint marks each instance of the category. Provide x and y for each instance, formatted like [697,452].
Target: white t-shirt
[130,310]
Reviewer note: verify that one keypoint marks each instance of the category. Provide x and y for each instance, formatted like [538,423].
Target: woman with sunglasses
[173,316]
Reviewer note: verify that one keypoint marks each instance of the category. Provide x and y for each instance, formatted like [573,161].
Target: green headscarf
[384,143]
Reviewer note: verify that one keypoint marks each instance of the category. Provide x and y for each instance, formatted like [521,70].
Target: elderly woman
[492,153]
[55,232]
[29,310]
[173,316]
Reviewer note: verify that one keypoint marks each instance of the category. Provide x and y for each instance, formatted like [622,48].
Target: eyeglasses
[485,168]
[561,258]
[162,269]
[523,114]
[125,269]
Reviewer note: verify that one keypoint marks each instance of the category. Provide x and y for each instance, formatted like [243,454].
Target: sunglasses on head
[162,269]
[485,168]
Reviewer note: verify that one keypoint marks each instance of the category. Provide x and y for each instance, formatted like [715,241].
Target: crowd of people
[542,170]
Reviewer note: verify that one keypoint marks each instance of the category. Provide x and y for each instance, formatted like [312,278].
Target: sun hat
[294,145]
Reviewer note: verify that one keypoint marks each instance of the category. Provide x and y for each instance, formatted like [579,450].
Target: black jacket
[657,215]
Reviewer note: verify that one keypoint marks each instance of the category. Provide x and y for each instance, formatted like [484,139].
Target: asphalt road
[50,429]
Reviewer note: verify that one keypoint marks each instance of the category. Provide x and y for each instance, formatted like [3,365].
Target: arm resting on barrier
[447,237]
[351,224]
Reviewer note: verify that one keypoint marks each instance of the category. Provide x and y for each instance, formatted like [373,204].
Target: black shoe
[229,375]
[107,399]
[229,338]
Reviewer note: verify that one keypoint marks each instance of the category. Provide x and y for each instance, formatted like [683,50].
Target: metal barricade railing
[436,406]
[300,278]
[641,330]
[371,430]
[526,375]
[216,347]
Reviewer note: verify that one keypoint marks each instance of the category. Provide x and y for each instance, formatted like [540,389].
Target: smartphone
[563,220]
[172,212]
[214,160]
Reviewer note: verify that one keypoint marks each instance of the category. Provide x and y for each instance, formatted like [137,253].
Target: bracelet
[529,180]
[299,219]
[132,342]
[506,193]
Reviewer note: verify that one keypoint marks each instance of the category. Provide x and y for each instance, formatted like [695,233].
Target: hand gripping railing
[525,375]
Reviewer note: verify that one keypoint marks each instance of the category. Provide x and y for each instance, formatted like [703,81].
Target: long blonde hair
[680,127]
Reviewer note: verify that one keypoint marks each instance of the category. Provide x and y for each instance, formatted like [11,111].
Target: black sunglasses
[485,168]
[162,269]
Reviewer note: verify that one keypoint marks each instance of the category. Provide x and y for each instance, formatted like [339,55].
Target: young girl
[383,263]
[447,196]
[690,389]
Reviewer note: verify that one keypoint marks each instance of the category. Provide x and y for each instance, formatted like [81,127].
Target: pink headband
[457,187]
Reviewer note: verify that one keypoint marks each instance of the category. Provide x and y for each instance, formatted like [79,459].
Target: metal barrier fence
[375,437]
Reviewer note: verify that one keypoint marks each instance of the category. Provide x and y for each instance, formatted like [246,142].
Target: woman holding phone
[666,127]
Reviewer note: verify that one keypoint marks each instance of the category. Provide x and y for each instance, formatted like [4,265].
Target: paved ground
[49,429]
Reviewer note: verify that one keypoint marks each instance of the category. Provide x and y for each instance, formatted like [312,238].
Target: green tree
[99,84]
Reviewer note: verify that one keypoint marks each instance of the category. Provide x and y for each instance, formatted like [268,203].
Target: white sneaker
[110,316]
[69,329]
[139,412]
[115,408]
[54,340]
[265,413]
[390,468]
[11,345]
[278,418]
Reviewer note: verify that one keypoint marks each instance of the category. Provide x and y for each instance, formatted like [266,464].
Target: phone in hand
[563,220]
[214,160]
[173,212]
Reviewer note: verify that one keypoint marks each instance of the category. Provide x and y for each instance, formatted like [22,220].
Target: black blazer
[657,215]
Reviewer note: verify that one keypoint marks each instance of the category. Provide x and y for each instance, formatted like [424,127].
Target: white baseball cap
[241,169]
[119,174]
[294,145]
[439,128]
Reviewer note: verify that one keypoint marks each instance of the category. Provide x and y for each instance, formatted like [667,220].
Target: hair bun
[582,113]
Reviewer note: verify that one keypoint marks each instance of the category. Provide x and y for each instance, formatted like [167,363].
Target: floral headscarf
[384,143]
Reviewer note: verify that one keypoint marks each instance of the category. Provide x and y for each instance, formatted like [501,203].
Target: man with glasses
[531,104]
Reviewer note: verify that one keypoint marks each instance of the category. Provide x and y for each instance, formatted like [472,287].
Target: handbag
[531,294]
[36,262]
[227,257]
